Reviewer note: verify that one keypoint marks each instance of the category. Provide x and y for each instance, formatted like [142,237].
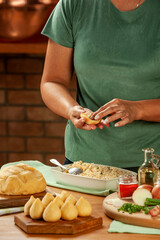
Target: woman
[114,47]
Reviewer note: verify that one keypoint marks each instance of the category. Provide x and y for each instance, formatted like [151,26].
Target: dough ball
[52,213]
[86,116]
[58,201]
[47,199]
[36,209]
[71,198]
[21,179]
[69,211]
[84,207]
[28,205]
[64,194]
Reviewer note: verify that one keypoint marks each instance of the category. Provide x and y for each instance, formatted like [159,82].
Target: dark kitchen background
[28,130]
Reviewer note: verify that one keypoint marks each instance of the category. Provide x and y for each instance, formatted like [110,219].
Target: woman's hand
[125,111]
[78,121]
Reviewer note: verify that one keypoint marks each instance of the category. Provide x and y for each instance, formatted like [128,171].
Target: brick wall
[28,130]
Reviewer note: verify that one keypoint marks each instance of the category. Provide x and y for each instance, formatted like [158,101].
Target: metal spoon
[73,170]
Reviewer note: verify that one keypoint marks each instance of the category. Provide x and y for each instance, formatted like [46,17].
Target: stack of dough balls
[51,209]
[21,179]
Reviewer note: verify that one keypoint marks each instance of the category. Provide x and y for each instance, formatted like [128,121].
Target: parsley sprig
[133,208]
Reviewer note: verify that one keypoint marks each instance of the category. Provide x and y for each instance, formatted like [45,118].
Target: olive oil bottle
[148,171]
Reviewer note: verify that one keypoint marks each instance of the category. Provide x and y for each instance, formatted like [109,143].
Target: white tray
[85,182]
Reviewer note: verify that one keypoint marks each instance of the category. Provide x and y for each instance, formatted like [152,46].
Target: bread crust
[21,179]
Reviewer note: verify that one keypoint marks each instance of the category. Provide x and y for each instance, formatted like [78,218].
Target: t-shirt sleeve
[59,24]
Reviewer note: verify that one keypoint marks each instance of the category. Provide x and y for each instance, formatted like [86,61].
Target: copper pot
[21,19]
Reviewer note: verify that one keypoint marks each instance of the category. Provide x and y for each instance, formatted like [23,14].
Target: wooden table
[9,231]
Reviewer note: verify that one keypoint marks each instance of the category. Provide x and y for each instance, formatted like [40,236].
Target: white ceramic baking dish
[85,182]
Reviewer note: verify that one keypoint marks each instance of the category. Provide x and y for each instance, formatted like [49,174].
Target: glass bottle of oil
[148,171]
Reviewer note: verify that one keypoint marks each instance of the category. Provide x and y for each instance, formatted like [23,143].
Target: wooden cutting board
[139,219]
[60,227]
[19,200]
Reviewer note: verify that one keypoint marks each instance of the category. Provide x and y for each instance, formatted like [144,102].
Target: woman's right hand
[74,116]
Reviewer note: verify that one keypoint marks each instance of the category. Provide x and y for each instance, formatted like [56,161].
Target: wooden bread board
[138,219]
[60,227]
[7,201]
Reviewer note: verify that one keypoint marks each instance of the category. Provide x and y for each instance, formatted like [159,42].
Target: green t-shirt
[116,55]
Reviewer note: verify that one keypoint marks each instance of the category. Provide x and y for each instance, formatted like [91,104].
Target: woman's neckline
[129,11]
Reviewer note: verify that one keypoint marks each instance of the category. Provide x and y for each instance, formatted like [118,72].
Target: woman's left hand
[125,111]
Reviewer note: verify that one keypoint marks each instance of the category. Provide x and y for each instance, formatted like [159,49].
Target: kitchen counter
[9,231]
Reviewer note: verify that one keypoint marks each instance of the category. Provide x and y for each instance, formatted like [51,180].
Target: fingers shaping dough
[86,116]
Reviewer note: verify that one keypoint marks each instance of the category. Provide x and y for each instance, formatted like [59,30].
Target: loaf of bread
[21,179]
